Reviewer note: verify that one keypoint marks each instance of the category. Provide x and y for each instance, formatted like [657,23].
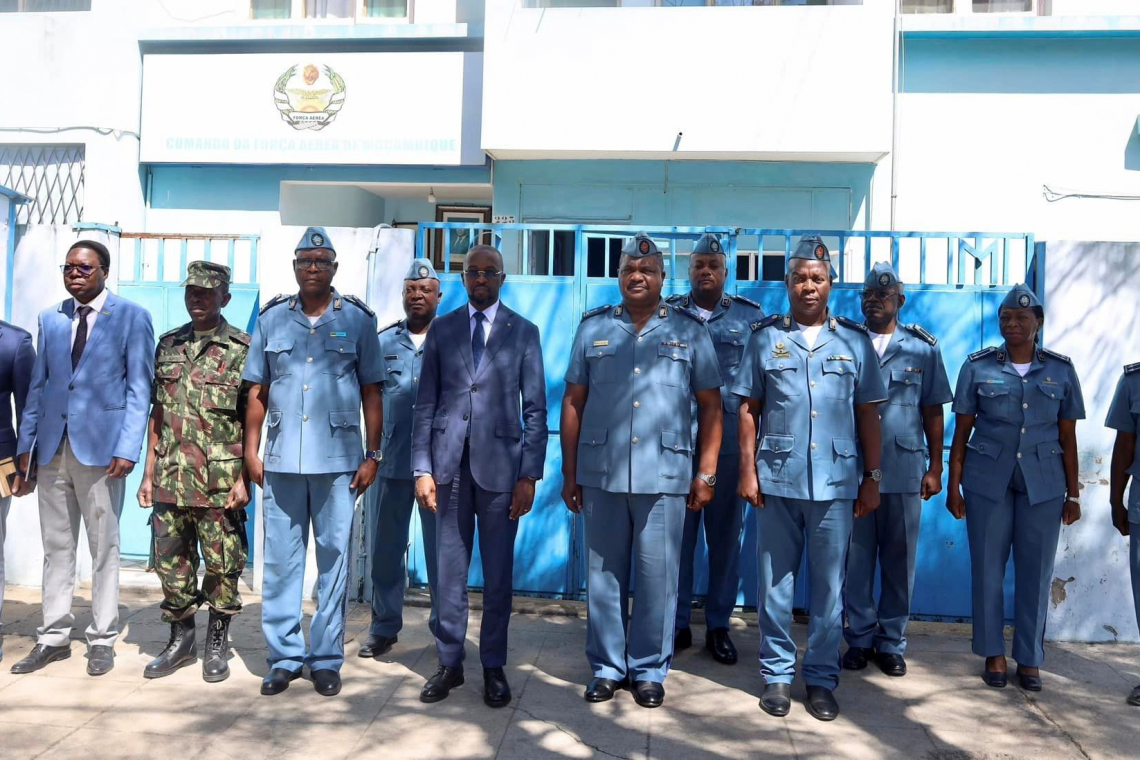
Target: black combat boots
[214,665]
[180,650]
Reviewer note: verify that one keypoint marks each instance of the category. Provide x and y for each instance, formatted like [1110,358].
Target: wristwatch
[875,475]
[710,480]
[376,456]
[1075,499]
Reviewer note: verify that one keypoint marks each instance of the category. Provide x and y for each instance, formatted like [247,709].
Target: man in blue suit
[16,360]
[480,362]
[84,421]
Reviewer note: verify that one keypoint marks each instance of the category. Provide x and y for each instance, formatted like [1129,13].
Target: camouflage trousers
[178,532]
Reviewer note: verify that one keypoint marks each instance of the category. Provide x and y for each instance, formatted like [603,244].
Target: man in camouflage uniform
[194,476]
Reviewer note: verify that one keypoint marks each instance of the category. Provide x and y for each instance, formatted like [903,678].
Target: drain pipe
[896,61]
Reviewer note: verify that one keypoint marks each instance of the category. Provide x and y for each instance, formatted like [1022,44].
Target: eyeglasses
[475,274]
[877,295]
[321,265]
[84,270]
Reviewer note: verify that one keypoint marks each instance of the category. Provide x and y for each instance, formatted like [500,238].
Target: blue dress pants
[724,520]
[389,508]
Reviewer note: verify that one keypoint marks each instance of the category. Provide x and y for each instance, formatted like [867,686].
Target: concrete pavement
[940,711]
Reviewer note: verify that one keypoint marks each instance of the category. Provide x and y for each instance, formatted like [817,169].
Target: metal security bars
[149,257]
[51,175]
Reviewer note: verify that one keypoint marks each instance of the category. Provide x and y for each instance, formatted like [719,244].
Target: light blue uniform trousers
[782,527]
[632,537]
[390,503]
[1032,532]
[291,502]
[889,536]
[724,521]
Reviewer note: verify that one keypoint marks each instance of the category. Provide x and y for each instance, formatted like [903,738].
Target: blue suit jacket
[509,386]
[16,360]
[103,405]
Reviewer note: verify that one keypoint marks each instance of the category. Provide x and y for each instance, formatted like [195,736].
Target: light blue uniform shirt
[915,377]
[1124,416]
[809,444]
[314,374]
[635,431]
[1016,422]
[402,362]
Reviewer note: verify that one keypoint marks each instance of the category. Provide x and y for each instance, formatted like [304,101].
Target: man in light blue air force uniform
[728,319]
[813,381]
[1124,418]
[912,424]
[389,504]
[313,361]
[627,463]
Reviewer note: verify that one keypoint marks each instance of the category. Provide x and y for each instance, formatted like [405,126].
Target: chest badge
[781,351]
[338,335]
[600,343]
[840,358]
[674,344]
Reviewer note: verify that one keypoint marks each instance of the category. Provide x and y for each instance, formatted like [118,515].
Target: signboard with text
[312,108]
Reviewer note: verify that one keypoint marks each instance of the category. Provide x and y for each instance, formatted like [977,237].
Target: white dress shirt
[96,305]
[489,313]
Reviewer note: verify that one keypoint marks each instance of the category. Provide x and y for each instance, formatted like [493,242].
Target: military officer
[1015,455]
[627,463]
[912,424]
[727,318]
[1124,417]
[314,361]
[390,503]
[193,475]
[813,380]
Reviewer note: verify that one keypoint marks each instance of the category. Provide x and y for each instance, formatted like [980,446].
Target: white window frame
[297,13]
[22,7]
[966,8]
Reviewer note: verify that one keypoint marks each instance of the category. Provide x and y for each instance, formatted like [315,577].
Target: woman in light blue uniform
[1019,473]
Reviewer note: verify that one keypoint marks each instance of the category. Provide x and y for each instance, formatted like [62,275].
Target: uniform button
[635,439]
[1023,431]
[415,379]
[814,446]
[846,451]
[419,353]
[71,387]
[636,404]
[781,365]
[639,338]
[1025,406]
[474,389]
[305,388]
[674,356]
[342,350]
[1019,455]
[312,332]
[1023,380]
[907,381]
[810,355]
[775,447]
[637,370]
[465,416]
[814,413]
[63,416]
[305,418]
[309,360]
[813,383]
[1048,379]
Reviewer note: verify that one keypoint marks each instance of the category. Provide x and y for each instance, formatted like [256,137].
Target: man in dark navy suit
[16,360]
[478,436]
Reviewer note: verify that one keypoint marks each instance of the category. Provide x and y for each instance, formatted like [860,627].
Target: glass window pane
[386,8]
[927,6]
[269,9]
[1003,6]
[329,8]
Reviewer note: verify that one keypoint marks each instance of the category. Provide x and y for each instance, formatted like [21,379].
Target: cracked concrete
[940,711]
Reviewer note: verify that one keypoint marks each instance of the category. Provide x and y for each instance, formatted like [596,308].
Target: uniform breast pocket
[783,377]
[166,376]
[673,364]
[839,380]
[905,388]
[344,428]
[340,356]
[395,374]
[1048,401]
[994,401]
[729,350]
[601,364]
[278,352]
[220,392]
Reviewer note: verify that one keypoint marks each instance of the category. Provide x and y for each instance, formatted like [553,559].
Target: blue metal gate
[955,282]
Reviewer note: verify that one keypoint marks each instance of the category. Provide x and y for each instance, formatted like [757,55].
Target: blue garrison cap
[421,269]
[709,243]
[1021,297]
[882,275]
[640,246]
[315,237]
[812,248]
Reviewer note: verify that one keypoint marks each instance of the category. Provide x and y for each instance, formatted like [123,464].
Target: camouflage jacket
[199,452]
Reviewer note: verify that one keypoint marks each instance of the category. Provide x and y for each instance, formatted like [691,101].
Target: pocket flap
[274,417]
[839,368]
[1052,390]
[218,452]
[845,447]
[340,345]
[680,353]
[1047,449]
[168,371]
[675,441]
[985,446]
[904,377]
[279,344]
[344,419]
[989,390]
[507,430]
[781,444]
[910,442]
[779,365]
[222,378]
[601,351]
[396,366]
[439,423]
[729,339]
[593,436]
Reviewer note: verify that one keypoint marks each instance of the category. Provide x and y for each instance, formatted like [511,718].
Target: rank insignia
[598,343]
[674,344]
[781,351]
[338,335]
[391,357]
[840,358]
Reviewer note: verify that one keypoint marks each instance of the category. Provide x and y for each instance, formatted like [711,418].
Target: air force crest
[309,97]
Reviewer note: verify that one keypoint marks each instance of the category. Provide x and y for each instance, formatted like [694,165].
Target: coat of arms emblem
[309,97]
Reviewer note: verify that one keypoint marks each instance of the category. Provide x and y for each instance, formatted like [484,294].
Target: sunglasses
[321,265]
[877,295]
[475,274]
[84,270]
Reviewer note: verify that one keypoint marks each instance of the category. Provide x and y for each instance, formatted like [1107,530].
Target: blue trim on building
[14,199]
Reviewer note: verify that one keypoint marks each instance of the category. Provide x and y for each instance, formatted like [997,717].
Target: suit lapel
[102,326]
[500,330]
[463,330]
[893,347]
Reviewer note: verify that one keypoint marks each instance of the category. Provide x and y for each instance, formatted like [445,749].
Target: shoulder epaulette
[276,300]
[767,321]
[171,333]
[917,330]
[242,337]
[688,313]
[596,312]
[360,305]
[385,328]
[983,353]
[1055,355]
[1130,368]
[674,298]
[851,323]
[747,302]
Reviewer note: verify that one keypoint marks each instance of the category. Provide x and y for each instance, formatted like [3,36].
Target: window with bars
[43,6]
[328,9]
[51,175]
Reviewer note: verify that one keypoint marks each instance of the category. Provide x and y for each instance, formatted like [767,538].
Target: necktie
[477,339]
[80,336]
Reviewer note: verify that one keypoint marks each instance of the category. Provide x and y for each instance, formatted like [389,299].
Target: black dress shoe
[821,703]
[718,642]
[375,645]
[278,681]
[1134,697]
[648,693]
[682,638]
[994,680]
[496,690]
[1028,682]
[777,699]
[856,658]
[100,660]
[603,689]
[441,684]
[892,664]
[326,682]
[40,656]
